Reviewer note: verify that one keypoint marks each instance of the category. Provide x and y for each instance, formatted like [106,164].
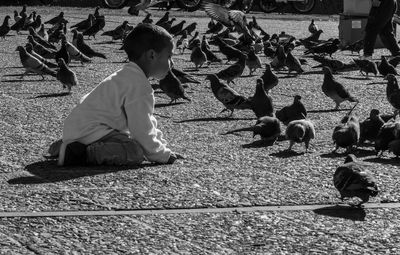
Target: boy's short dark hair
[145,37]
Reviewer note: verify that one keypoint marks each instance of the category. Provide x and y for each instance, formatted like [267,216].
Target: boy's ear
[151,54]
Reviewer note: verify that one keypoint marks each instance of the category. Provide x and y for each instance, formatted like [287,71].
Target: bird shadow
[376,83]
[386,161]
[364,78]
[160,105]
[61,94]
[344,212]
[329,110]
[286,154]
[47,171]
[21,81]
[108,42]
[313,72]
[212,119]
[258,144]
[359,152]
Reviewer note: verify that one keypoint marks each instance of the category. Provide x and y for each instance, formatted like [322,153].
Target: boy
[380,21]
[114,123]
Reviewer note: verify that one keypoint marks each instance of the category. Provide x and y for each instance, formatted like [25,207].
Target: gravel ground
[219,171]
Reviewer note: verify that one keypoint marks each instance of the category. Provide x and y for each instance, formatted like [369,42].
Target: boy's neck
[143,65]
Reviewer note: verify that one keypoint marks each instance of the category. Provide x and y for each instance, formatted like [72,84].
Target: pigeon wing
[218,12]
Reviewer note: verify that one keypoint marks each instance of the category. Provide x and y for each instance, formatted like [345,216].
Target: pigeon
[279,61]
[356,46]
[98,25]
[174,30]
[5,28]
[40,40]
[211,57]
[388,133]
[295,111]
[172,86]
[253,62]
[29,49]
[74,53]
[23,11]
[17,26]
[229,18]
[198,57]
[347,133]
[394,61]
[270,79]
[312,28]
[118,32]
[393,92]
[36,23]
[75,37]
[227,96]
[300,131]
[163,19]
[234,71]
[370,127]
[394,147]
[96,13]
[147,19]
[84,24]
[167,25]
[334,64]
[194,41]
[86,49]
[189,29]
[16,16]
[56,19]
[56,33]
[366,66]
[63,53]
[335,90]
[143,5]
[40,49]
[261,102]
[267,127]
[230,52]
[184,77]
[312,40]
[293,63]
[327,48]
[215,29]
[351,179]
[32,64]
[66,76]
[43,33]
[182,43]
[385,68]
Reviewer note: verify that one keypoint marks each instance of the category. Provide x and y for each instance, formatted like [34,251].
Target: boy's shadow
[47,171]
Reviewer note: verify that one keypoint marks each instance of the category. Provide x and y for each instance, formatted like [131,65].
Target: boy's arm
[143,128]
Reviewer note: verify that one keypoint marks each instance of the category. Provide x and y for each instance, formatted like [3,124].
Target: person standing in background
[380,22]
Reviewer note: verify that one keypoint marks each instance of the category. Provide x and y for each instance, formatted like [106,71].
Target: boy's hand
[173,157]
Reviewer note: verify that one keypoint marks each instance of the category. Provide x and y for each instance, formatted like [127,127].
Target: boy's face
[162,62]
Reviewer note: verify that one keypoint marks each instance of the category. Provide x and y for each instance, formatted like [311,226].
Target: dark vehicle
[301,6]
[188,5]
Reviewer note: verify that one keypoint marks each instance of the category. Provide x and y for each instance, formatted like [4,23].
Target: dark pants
[380,21]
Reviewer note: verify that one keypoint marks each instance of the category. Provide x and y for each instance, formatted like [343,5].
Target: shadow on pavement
[47,171]
[213,119]
[344,212]
[287,154]
[61,94]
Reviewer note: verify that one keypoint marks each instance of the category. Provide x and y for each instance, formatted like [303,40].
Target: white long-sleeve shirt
[124,101]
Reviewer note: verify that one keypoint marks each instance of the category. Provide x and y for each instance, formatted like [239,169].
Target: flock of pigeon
[235,39]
